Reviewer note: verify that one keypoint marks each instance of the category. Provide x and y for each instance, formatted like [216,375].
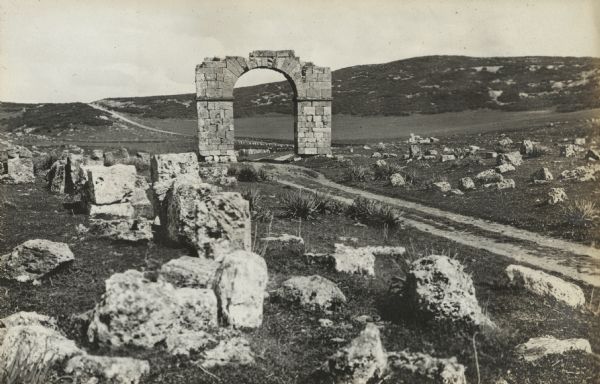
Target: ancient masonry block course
[215,79]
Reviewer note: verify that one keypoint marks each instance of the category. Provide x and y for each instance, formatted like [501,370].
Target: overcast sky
[70,50]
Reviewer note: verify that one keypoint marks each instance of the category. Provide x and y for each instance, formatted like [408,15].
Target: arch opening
[215,81]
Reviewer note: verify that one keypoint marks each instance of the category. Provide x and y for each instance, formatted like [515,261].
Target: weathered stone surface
[312,292]
[18,170]
[489,176]
[97,154]
[556,195]
[527,147]
[397,180]
[542,175]
[74,162]
[137,312]
[437,287]
[186,271]
[131,230]
[539,347]
[86,368]
[543,284]
[422,366]
[568,150]
[364,359]
[117,156]
[108,185]
[240,286]
[283,246]
[171,165]
[206,220]
[33,259]
[231,351]
[214,173]
[354,260]
[505,142]
[442,186]
[513,158]
[503,168]
[56,177]
[467,184]
[186,342]
[111,211]
[489,155]
[26,319]
[580,174]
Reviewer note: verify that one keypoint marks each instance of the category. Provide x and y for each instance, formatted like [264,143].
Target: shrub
[580,213]
[254,197]
[249,173]
[357,173]
[300,205]
[384,172]
[326,204]
[45,161]
[370,211]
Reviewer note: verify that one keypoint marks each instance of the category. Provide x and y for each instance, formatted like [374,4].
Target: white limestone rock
[423,366]
[438,287]
[130,230]
[108,185]
[111,211]
[240,288]
[397,180]
[556,196]
[86,368]
[503,168]
[352,260]
[364,359]
[283,246]
[467,184]
[312,292]
[18,170]
[164,168]
[489,176]
[538,347]
[33,259]
[546,285]
[231,351]
[442,186]
[513,158]
[136,312]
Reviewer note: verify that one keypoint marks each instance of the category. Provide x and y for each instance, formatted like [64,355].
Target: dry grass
[581,213]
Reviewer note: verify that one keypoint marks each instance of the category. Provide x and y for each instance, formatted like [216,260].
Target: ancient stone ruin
[215,79]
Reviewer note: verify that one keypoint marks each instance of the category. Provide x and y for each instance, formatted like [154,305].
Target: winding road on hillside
[118,116]
[573,260]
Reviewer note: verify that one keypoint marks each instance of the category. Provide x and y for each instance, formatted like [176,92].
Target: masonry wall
[215,79]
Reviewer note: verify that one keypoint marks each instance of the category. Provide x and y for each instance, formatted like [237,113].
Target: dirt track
[573,260]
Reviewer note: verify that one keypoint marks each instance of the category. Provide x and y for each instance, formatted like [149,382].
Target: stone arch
[215,79]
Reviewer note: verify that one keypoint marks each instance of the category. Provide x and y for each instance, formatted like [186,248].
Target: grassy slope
[430,84]
[290,344]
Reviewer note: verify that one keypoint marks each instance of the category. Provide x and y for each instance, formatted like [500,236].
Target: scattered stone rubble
[538,347]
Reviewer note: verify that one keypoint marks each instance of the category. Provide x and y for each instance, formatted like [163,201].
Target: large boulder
[240,286]
[364,359]
[210,222]
[312,292]
[230,351]
[543,284]
[283,246]
[437,287]
[138,312]
[193,272]
[504,168]
[33,259]
[442,186]
[108,185]
[421,366]
[539,347]
[165,168]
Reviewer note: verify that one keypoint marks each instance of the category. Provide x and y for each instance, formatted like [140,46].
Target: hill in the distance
[426,85]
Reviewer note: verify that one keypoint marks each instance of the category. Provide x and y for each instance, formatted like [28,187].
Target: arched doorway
[215,79]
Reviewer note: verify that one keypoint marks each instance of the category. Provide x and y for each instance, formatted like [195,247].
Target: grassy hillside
[426,85]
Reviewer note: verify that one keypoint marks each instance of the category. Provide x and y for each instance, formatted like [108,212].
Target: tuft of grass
[357,173]
[300,205]
[539,151]
[384,173]
[580,213]
[328,205]
[249,173]
[367,210]
[255,199]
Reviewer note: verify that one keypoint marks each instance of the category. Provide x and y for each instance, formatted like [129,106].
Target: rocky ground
[287,287]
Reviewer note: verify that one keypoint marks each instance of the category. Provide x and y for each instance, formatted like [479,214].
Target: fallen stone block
[111,211]
[312,292]
[165,168]
[467,184]
[513,158]
[545,285]
[505,168]
[489,176]
[542,175]
[136,312]
[34,259]
[504,184]
[56,177]
[446,158]
[538,347]
[438,288]
[113,184]
[231,351]
[86,368]
[18,171]
[363,360]
[442,186]
[240,286]
[283,246]
[118,156]
[131,230]
[397,180]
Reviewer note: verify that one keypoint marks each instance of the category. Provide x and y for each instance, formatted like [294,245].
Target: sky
[71,50]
